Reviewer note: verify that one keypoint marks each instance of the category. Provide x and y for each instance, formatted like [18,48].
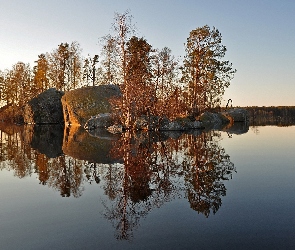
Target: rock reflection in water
[81,145]
[238,128]
[37,149]
[47,139]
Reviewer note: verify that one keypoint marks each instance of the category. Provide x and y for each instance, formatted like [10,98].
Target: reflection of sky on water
[256,213]
[261,194]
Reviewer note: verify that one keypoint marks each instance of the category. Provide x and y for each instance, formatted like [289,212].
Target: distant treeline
[279,115]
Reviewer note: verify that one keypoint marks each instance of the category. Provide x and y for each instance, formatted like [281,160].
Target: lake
[68,189]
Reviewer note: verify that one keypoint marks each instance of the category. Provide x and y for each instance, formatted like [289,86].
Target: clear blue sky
[259,35]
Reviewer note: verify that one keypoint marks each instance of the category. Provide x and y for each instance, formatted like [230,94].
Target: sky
[259,36]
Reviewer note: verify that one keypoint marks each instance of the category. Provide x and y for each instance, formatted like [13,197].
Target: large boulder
[46,108]
[213,120]
[80,105]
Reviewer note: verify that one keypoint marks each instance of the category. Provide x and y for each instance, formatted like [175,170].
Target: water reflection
[191,166]
[46,139]
[138,171]
[79,144]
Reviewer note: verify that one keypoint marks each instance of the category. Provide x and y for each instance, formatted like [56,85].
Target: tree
[204,72]
[123,29]
[138,88]
[7,88]
[168,90]
[2,87]
[165,71]
[65,66]
[58,61]
[89,70]
[74,70]
[40,71]
[109,63]
[16,84]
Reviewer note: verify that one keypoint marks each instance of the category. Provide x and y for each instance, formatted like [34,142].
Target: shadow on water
[138,171]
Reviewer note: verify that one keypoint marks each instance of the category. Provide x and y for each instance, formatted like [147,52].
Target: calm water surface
[203,190]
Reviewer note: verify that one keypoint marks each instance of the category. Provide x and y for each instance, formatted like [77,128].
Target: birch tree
[204,71]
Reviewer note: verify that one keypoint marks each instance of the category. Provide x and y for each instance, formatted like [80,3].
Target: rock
[181,124]
[237,114]
[115,129]
[80,105]
[164,124]
[11,114]
[99,121]
[150,122]
[46,108]
[213,120]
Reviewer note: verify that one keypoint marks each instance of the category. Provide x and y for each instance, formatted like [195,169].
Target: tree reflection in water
[142,171]
[62,173]
[155,172]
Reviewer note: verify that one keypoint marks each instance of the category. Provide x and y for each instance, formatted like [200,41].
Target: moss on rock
[80,105]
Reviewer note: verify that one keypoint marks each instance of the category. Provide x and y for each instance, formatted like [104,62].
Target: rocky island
[89,107]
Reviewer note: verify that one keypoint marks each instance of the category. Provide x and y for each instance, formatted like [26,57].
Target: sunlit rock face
[80,105]
[45,108]
[79,144]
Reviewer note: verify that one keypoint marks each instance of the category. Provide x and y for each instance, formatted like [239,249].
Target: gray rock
[115,129]
[45,108]
[99,121]
[81,104]
[164,124]
[213,120]
[182,124]
[150,123]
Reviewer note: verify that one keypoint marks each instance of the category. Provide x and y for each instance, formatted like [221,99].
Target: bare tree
[90,70]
